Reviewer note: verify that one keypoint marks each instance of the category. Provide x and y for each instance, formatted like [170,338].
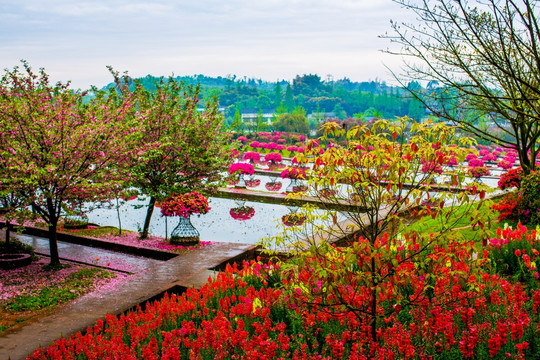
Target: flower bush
[475,162]
[185,205]
[270,312]
[242,213]
[273,157]
[512,208]
[515,253]
[477,172]
[431,167]
[530,190]
[241,168]
[511,179]
[504,164]
[252,156]
[293,173]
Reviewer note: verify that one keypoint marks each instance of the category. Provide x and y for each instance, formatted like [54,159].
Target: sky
[268,39]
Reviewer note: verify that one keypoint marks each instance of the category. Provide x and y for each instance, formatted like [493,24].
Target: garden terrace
[282,199]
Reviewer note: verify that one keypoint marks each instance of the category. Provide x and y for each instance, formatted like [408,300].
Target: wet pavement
[93,256]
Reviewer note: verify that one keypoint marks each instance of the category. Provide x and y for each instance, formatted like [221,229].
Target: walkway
[93,256]
[191,269]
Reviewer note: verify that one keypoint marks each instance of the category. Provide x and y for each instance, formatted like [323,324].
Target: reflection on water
[217,225]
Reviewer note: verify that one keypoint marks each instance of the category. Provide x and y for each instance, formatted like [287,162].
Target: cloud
[264,38]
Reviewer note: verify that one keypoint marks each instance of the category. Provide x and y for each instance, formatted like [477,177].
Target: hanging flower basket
[251,183]
[328,193]
[242,213]
[273,186]
[293,219]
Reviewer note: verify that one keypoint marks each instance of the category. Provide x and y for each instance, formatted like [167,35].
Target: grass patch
[458,223]
[100,231]
[15,247]
[73,286]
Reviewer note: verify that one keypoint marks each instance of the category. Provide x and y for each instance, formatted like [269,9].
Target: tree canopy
[485,57]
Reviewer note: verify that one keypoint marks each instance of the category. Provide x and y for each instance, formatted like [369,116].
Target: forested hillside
[342,98]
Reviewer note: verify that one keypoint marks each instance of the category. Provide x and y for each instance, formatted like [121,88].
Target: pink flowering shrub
[252,156]
[483,152]
[489,157]
[432,167]
[478,171]
[273,157]
[504,164]
[241,168]
[451,161]
[475,162]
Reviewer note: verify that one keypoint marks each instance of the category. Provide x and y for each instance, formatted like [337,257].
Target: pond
[217,225]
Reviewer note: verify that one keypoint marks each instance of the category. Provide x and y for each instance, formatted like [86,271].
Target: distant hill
[343,97]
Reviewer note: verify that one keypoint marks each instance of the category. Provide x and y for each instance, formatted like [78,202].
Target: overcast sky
[268,39]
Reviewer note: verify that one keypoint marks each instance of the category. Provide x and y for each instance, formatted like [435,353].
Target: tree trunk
[119,220]
[8,225]
[149,213]
[53,244]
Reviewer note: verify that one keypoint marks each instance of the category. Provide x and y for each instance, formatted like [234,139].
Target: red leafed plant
[511,179]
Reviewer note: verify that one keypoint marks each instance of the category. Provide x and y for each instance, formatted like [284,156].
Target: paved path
[92,256]
[187,270]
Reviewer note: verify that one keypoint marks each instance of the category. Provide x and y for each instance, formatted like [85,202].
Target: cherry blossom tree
[180,148]
[58,149]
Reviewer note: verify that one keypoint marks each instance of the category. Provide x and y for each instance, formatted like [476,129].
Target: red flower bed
[465,314]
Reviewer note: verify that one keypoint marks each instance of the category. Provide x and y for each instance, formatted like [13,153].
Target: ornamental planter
[295,186]
[185,233]
[241,182]
[13,261]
